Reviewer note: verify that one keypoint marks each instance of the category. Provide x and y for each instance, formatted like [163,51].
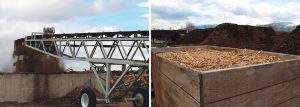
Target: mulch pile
[236,36]
[194,37]
[209,59]
[166,35]
[241,36]
[290,43]
[31,61]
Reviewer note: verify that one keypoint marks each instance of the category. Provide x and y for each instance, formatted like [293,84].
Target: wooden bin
[275,84]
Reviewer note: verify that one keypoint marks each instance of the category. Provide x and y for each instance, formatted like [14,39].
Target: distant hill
[281,26]
[277,26]
[206,26]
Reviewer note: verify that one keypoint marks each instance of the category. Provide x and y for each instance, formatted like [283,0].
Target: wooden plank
[222,84]
[183,77]
[227,83]
[156,80]
[171,95]
[167,93]
[266,97]
[295,102]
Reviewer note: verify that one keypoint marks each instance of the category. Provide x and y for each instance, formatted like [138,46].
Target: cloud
[15,30]
[57,10]
[176,12]
[10,31]
[172,13]
[108,6]
[144,4]
[86,29]
[19,18]
[145,15]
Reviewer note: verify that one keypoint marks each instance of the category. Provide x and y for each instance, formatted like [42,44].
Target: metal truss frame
[103,46]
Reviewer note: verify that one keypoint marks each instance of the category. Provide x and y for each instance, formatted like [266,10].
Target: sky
[19,18]
[174,14]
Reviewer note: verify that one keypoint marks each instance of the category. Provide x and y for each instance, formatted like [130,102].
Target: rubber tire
[145,95]
[91,95]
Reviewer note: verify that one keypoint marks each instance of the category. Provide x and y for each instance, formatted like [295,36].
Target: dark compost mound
[29,60]
[241,36]
[194,37]
[291,43]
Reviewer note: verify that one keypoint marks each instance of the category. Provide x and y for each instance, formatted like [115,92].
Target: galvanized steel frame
[56,45]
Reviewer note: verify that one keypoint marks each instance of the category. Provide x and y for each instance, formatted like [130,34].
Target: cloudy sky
[21,17]
[173,14]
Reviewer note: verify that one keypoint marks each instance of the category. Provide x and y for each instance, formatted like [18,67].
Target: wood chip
[209,59]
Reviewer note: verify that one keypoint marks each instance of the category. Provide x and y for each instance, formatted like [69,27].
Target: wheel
[87,98]
[142,98]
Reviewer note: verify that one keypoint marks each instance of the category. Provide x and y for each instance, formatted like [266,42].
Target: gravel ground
[209,59]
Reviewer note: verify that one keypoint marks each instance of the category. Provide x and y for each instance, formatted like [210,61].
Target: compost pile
[169,36]
[226,34]
[30,61]
[290,43]
[235,36]
[209,59]
[241,36]
[194,37]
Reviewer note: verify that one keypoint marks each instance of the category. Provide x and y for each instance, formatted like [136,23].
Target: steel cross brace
[128,47]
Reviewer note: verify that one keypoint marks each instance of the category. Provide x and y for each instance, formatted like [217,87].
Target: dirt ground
[11,104]
[209,59]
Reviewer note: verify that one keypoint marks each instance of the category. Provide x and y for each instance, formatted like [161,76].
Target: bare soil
[209,59]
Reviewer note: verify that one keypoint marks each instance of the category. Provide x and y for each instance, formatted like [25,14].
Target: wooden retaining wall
[262,85]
